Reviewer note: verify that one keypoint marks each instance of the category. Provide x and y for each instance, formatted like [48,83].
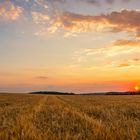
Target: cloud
[40,17]
[110,1]
[136,59]
[9,11]
[93,2]
[56,0]
[124,65]
[112,56]
[127,1]
[42,77]
[124,20]
[41,3]
[131,43]
[113,1]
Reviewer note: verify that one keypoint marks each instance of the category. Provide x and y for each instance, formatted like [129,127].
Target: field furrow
[21,126]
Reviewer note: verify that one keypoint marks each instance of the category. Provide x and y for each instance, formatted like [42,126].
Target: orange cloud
[9,11]
[42,77]
[39,17]
[124,65]
[75,23]
[122,53]
[132,43]
[124,20]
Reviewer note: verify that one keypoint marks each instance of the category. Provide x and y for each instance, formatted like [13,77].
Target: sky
[69,45]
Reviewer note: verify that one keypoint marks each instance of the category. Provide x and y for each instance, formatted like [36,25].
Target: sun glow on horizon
[137,88]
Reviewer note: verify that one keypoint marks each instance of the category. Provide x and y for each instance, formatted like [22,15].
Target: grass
[48,117]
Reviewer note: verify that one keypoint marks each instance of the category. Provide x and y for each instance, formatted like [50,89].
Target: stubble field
[49,117]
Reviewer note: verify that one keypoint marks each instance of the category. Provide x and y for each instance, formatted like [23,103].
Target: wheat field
[50,117]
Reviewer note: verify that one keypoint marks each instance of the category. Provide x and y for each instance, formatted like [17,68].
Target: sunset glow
[136,88]
[67,45]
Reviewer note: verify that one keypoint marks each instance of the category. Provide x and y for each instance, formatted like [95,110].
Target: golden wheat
[46,117]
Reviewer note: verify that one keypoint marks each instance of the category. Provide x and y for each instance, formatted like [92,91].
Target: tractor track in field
[79,113]
[25,129]
[88,124]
